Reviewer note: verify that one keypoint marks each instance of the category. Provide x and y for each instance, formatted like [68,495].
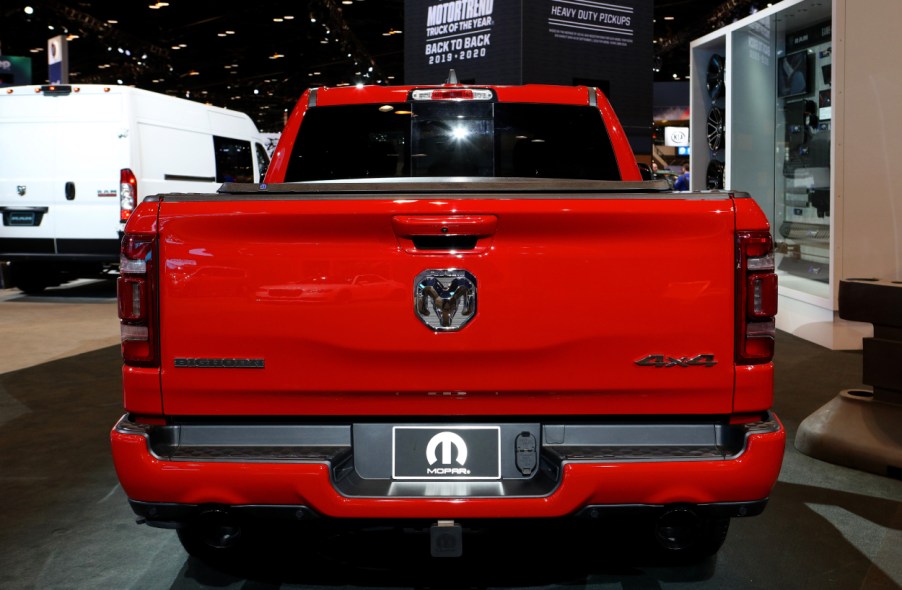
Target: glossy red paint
[623,151]
[638,277]
[746,478]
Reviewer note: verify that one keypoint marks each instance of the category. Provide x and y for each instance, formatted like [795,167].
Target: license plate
[446,452]
[20,218]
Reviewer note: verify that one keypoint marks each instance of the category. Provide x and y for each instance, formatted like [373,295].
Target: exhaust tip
[678,529]
[218,528]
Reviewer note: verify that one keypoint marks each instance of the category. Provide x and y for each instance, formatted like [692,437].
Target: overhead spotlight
[29,10]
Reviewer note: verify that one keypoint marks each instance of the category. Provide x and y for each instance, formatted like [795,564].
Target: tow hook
[446,539]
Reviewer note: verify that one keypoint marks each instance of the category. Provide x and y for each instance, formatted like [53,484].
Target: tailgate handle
[444,232]
[412,226]
[70,191]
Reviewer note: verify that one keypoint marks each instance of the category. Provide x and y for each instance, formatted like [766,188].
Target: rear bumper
[298,471]
[59,249]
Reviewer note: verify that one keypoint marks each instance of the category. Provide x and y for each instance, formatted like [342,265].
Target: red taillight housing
[756,294]
[136,293]
[128,193]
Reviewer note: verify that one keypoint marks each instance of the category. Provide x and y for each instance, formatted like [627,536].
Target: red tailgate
[571,293]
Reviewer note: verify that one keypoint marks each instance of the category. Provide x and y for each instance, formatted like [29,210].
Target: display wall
[603,44]
[809,129]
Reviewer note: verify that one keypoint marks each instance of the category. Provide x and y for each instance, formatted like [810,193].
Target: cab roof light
[452,94]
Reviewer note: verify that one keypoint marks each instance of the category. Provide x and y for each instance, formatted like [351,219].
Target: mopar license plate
[446,452]
[20,218]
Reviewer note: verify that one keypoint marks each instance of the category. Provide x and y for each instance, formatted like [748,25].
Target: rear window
[452,139]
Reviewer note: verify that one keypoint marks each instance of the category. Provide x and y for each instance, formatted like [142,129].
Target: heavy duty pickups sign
[603,44]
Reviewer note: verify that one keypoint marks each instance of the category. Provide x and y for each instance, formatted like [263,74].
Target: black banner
[479,39]
[602,44]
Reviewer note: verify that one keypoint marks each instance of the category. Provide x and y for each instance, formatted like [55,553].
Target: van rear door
[59,182]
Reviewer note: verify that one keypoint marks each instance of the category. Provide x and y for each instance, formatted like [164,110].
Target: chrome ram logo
[445,300]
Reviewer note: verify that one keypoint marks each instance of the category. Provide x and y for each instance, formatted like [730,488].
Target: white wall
[867,105]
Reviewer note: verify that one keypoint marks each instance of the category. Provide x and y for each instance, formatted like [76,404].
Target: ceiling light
[288,17]
[112,22]
[278,20]
[29,10]
[669,18]
[220,34]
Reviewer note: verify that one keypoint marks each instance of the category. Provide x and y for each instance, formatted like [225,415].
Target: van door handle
[410,226]
[70,191]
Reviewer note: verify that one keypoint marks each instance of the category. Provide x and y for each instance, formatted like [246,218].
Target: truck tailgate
[305,306]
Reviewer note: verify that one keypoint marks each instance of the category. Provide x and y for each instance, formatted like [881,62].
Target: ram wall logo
[445,299]
[448,443]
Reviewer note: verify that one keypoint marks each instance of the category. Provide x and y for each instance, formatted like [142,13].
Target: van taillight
[128,193]
[756,291]
[136,291]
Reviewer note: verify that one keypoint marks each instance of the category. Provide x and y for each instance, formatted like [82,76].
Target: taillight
[135,291]
[756,290]
[128,193]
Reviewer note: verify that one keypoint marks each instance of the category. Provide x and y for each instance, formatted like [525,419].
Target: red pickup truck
[538,334]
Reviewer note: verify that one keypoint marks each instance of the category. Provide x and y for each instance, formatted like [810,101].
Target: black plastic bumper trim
[174,516]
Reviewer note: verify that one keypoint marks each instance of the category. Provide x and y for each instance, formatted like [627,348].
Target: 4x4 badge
[661,361]
[445,300]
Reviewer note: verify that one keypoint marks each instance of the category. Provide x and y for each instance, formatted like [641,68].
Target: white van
[76,159]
